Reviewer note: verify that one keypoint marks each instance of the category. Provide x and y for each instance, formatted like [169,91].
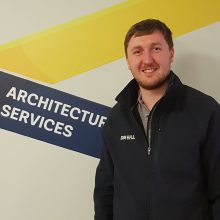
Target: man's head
[149,53]
[147,27]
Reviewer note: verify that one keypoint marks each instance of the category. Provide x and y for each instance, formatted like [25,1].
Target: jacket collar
[129,95]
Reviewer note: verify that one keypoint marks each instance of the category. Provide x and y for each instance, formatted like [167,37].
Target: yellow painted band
[94,40]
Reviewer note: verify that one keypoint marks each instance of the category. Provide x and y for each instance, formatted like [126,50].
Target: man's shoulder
[117,110]
[116,114]
[197,97]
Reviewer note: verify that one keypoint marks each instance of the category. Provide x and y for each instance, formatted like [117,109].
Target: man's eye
[156,49]
[137,52]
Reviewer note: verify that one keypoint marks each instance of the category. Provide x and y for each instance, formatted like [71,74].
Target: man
[161,154]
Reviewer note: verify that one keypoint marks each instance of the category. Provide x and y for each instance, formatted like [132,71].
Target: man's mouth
[149,70]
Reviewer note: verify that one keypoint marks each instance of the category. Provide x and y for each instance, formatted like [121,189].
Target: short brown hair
[146,27]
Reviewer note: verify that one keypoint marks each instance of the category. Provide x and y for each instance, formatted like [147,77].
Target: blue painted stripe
[52,116]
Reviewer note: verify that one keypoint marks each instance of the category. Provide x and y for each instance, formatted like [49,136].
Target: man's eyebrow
[152,44]
[156,43]
[135,47]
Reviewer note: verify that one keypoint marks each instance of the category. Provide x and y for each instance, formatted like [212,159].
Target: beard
[157,83]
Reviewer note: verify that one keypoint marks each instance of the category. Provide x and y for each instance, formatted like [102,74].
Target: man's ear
[172,54]
[128,64]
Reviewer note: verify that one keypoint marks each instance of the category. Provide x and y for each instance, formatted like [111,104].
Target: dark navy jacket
[180,178]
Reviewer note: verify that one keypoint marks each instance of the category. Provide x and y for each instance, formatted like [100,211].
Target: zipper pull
[148,151]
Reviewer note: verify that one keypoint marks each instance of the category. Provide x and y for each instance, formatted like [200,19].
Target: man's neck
[151,97]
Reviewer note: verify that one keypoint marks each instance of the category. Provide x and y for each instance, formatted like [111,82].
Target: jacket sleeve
[212,163]
[104,188]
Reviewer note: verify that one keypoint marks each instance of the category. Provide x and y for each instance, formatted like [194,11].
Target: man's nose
[147,57]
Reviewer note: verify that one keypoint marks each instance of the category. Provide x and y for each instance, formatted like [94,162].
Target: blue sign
[52,116]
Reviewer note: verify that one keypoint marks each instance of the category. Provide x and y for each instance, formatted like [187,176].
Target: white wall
[42,181]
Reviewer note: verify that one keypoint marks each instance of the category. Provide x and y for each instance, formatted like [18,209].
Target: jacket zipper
[149,151]
[149,127]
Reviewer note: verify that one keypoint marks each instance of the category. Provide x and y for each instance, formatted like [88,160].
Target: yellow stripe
[94,40]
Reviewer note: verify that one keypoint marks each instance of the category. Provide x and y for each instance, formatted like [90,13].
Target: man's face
[149,59]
